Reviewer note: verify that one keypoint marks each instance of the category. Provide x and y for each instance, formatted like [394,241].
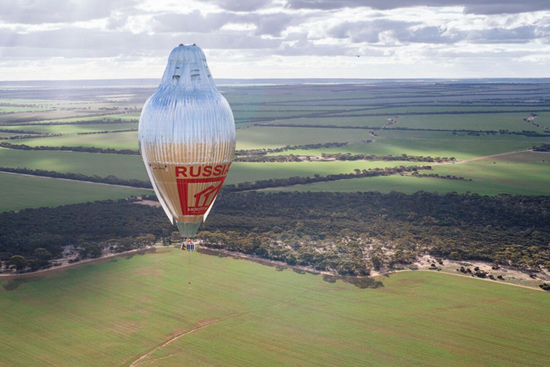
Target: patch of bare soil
[148,203]
[484,271]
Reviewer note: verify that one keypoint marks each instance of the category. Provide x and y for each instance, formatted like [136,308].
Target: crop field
[264,137]
[39,116]
[115,140]
[358,121]
[433,144]
[103,165]
[131,166]
[20,192]
[102,117]
[248,171]
[72,129]
[440,120]
[522,173]
[410,185]
[499,121]
[173,309]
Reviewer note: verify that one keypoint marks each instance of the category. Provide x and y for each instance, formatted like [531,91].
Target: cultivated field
[34,192]
[465,121]
[172,309]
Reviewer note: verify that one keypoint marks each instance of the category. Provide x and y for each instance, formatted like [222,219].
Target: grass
[120,140]
[498,121]
[246,171]
[524,173]
[270,137]
[371,121]
[17,109]
[33,192]
[410,185]
[434,144]
[72,129]
[112,312]
[39,116]
[282,101]
[103,165]
[113,117]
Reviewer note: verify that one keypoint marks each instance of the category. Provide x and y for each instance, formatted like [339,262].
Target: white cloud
[59,11]
[470,6]
[276,37]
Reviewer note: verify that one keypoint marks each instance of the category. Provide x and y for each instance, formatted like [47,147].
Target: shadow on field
[358,282]
[140,252]
[364,282]
[207,251]
[15,283]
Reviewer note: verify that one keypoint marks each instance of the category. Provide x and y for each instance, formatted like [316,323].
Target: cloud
[59,11]
[309,36]
[368,31]
[241,5]
[191,22]
[274,24]
[265,24]
[470,6]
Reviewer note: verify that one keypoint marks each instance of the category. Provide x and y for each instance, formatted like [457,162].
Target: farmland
[396,170]
[219,311]
[424,119]
[34,192]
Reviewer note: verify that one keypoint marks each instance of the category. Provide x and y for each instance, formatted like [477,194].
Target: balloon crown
[187,69]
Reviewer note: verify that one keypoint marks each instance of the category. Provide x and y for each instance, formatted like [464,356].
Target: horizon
[319,80]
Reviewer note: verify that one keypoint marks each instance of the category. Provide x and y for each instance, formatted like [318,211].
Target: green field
[512,121]
[216,311]
[421,108]
[498,121]
[371,121]
[90,164]
[117,140]
[410,185]
[20,192]
[72,129]
[174,308]
[434,144]
[246,171]
[269,137]
[524,173]
[131,166]
[103,117]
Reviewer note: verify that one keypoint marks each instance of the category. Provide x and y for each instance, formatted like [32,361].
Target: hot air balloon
[186,138]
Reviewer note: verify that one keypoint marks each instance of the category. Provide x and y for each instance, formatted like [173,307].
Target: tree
[88,249]
[18,261]
[42,254]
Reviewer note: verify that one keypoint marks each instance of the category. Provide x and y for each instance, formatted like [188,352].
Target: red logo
[197,194]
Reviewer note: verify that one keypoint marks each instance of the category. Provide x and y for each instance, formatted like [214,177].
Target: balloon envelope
[187,139]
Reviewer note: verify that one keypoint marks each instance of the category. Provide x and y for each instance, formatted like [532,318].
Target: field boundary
[80,181]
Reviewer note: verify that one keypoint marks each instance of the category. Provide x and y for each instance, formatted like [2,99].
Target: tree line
[297,180]
[265,151]
[342,233]
[542,148]
[243,186]
[527,133]
[110,179]
[70,149]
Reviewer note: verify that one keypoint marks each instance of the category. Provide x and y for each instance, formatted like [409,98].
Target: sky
[245,39]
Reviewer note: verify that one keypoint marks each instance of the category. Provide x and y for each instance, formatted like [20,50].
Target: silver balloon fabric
[187,139]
